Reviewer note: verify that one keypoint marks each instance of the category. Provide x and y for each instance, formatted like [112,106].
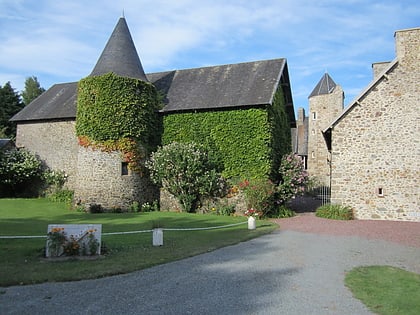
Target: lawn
[386,290]
[22,260]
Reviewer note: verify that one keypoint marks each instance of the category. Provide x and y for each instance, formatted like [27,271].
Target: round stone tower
[113,112]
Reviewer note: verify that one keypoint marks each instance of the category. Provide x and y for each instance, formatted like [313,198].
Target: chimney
[378,68]
[301,116]
[407,43]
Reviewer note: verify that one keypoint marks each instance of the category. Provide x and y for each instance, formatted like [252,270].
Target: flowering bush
[18,171]
[252,213]
[258,193]
[187,171]
[59,243]
[55,241]
[294,178]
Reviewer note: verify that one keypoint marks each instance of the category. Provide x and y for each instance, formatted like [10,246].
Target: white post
[252,225]
[157,237]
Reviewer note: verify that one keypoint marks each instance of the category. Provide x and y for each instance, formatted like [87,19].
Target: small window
[380,192]
[313,115]
[124,168]
[313,154]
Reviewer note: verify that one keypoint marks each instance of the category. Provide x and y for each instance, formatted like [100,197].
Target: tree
[187,171]
[32,90]
[10,104]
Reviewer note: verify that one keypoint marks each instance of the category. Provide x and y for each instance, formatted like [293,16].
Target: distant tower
[325,104]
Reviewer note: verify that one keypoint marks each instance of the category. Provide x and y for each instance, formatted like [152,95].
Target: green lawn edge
[22,261]
[385,290]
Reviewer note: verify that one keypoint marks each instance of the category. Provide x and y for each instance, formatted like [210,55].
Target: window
[313,154]
[380,192]
[124,168]
[313,115]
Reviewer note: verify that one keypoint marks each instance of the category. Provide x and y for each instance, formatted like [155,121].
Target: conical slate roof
[120,55]
[325,86]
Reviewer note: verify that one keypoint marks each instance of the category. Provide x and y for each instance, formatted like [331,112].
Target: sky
[60,41]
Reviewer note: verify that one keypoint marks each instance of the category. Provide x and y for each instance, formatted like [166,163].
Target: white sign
[73,240]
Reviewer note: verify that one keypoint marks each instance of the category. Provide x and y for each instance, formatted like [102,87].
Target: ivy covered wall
[250,142]
[118,114]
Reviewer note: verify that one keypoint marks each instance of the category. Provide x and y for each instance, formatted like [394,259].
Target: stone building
[375,142]
[325,103]
[47,126]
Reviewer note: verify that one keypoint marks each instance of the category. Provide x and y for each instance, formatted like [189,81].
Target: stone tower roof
[325,86]
[120,55]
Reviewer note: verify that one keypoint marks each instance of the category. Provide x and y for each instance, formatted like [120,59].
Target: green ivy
[280,134]
[113,111]
[249,142]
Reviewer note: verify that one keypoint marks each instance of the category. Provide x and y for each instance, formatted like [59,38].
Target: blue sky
[60,41]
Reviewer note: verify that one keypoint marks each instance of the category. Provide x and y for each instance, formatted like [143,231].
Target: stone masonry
[100,181]
[323,109]
[58,134]
[376,142]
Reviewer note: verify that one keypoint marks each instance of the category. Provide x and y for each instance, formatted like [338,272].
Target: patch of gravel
[401,232]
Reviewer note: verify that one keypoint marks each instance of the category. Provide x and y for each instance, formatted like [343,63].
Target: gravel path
[298,269]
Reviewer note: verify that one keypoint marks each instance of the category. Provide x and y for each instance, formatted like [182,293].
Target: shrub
[258,194]
[149,207]
[285,212]
[333,211]
[63,195]
[19,169]
[186,171]
[96,208]
[293,180]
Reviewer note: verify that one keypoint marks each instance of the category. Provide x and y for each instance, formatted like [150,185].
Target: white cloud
[60,41]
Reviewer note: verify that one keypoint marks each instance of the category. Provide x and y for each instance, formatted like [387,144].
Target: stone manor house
[367,153]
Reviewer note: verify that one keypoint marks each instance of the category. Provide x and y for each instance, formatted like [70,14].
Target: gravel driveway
[298,269]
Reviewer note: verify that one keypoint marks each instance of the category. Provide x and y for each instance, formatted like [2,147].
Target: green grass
[386,290]
[21,260]
[335,212]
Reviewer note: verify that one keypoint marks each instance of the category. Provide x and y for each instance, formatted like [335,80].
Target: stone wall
[323,110]
[100,181]
[376,146]
[55,144]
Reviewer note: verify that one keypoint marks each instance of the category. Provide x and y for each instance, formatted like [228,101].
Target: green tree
[10,104]
[32,90]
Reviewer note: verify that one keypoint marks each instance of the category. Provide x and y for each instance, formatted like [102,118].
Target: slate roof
[242,84]
[325,86]
[207,88]
[58,102]
[120,55]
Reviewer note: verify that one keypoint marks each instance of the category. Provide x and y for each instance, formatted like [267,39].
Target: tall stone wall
[323,110]
[376,146]
[54,143]
[100,181]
